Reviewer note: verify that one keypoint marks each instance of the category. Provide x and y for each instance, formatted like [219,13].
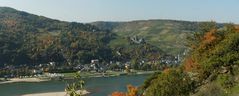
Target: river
[100,86]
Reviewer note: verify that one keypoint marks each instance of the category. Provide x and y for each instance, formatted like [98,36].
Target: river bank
[84,92]
[71,76]
[13,80]
[106,74]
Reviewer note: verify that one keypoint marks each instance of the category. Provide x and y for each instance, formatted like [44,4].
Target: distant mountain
[168,35]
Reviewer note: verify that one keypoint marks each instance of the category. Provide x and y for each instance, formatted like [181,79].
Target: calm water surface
[101,86]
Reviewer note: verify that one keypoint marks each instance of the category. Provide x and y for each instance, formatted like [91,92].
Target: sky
[128,10]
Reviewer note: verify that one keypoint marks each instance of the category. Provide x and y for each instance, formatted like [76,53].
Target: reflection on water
[101,86]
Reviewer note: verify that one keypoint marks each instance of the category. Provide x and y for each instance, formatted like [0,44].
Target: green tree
[171,83]
[76,88]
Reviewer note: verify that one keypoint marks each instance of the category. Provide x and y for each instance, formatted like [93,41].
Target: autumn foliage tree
[131,91]
[118,94]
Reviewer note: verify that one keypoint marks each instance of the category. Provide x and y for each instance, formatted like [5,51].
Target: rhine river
[98,86]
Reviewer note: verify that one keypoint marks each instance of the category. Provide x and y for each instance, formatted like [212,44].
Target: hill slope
[168,35]
[211,69]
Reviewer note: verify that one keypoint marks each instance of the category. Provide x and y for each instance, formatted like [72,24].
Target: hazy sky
[125,10]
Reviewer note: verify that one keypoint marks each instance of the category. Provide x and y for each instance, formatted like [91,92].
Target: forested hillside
[27,39]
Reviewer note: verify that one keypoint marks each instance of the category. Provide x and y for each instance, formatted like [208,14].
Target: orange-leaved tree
[131,91]
[118,94]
